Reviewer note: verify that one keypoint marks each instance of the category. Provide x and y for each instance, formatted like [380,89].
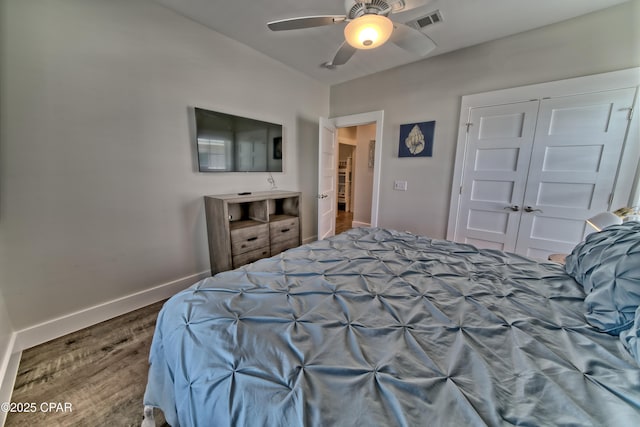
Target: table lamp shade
[604,219]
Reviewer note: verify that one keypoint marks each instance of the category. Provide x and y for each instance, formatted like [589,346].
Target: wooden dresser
[243,228]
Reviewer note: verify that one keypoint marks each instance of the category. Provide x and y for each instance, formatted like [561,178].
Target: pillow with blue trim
[607,265]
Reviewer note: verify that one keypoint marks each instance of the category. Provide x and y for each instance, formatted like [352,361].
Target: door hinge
[468,125]
[629,112]
[460,190]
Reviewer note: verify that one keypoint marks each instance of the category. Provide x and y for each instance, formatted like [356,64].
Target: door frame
[376,117]
[627,180]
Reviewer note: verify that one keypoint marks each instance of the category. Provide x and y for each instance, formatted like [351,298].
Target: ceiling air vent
[430,19]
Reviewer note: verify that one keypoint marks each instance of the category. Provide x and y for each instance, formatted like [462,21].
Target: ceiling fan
[368,26]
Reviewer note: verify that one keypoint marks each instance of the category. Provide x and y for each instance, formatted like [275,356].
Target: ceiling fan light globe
[368,31]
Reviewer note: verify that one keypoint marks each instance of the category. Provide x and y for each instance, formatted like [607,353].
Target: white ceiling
[465,23]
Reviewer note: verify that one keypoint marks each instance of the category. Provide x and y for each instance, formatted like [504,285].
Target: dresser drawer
[247,257]
[284,230]
[249,239]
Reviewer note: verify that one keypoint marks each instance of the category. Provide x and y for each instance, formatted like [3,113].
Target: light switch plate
[400,185]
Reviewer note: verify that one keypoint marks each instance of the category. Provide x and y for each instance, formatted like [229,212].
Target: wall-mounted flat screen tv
[228,143]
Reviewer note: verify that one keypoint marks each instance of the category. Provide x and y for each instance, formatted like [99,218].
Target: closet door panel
[497,157]
[574,161]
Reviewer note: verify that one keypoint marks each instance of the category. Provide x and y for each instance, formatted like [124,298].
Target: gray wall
[99,194]
[432,89]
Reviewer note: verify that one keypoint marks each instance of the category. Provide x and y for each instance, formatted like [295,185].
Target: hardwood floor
[100,372]
[343,221]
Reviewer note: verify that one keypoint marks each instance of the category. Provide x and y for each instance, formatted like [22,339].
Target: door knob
[514,208]
[322,196]
[530,209]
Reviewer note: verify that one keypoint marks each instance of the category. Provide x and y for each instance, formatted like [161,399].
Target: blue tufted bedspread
[381,328]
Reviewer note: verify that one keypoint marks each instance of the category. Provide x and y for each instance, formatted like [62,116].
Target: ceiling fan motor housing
[364,7]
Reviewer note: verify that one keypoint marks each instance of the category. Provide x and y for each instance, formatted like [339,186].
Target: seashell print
[415,141]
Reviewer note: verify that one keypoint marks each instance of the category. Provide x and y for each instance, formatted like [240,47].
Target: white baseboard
[309,239]
[72,322]
[51,329]
[356,224]
[5,359]
[8,375]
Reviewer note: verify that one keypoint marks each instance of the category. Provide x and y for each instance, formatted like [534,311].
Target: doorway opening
[356,148]
[328,166]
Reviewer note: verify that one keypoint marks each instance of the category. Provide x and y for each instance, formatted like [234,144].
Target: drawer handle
[251,239]
[284,230]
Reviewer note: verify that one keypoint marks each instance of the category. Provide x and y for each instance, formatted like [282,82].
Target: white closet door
[574,163]
[498,150]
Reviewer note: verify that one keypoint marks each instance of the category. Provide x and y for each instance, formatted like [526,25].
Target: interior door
[574,163]
[499,141]
[327,179]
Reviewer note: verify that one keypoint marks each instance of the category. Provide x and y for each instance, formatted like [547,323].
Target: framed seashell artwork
[416,139]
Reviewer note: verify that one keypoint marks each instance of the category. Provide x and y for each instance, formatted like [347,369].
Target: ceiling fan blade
[412,40]
[344,53]
[305,22]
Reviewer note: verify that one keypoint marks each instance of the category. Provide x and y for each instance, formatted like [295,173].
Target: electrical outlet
[400,185]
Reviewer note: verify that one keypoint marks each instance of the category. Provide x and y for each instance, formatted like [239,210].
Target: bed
[376,327]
